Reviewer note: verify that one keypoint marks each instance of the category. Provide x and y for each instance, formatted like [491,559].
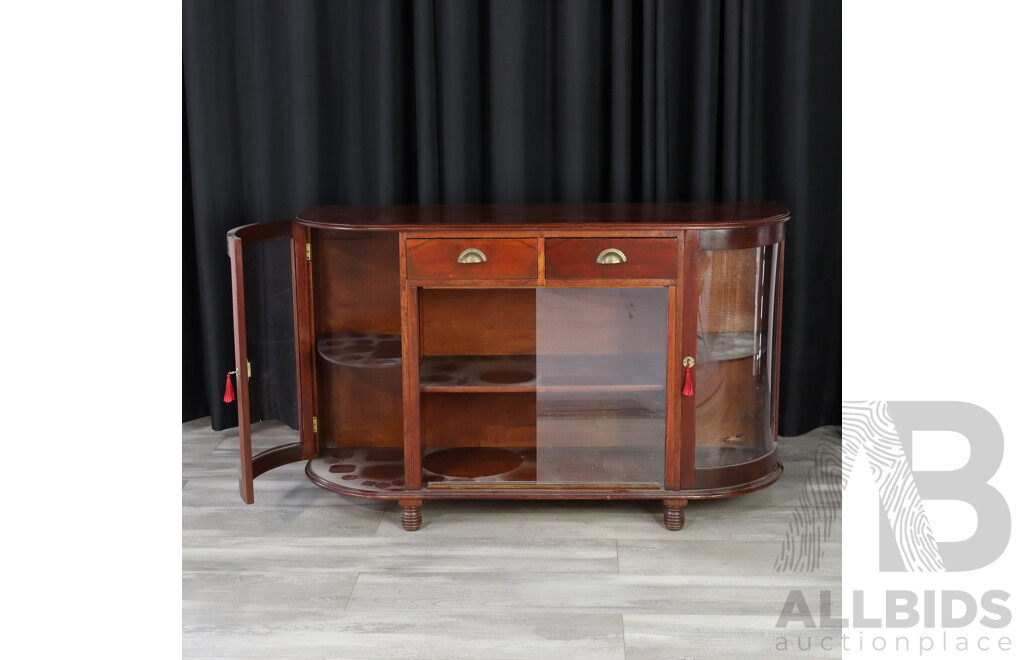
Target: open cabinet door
[269,281]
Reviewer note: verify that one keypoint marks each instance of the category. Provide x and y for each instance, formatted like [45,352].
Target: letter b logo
[883,431]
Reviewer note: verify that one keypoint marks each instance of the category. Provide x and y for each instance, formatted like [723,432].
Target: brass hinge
[248,366]
[315,430]
[309,253]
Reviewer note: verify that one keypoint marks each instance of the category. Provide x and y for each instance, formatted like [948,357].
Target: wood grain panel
[511,217]
[412,412]
[305,359]
[688,256]
[737,239]
[673,393]
[438,258]
[245,475]
[576,258]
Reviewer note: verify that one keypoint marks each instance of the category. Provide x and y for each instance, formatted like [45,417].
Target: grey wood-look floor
[305,573]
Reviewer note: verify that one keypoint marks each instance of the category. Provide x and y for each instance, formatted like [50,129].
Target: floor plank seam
[352,590]
[383,517]
[622,635]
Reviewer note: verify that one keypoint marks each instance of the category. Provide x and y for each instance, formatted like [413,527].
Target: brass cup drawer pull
[611,256]
[472,256]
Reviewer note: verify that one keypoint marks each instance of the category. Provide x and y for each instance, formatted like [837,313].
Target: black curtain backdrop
[291,104]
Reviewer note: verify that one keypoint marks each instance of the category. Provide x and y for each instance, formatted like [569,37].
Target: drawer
[610,258]
[471,258]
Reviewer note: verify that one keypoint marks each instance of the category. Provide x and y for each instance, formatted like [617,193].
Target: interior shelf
[380,470]
[361,349]
[518,373]
[478,373]
[361,469]
[724,455]
[574,409]
[721,346]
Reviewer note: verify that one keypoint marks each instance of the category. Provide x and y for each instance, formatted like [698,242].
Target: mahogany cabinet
[604,351]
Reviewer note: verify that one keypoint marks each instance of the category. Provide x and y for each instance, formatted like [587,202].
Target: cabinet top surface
[703,215]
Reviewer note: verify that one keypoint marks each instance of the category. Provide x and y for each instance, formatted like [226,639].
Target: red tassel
[229,390]
[687,384]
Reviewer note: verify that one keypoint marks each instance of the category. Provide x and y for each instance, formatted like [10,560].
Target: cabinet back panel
[361,407]
[480,420]
[355,281]
[478,321]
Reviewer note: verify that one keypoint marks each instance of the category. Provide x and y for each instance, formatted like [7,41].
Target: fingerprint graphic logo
[869,429]
[817,513]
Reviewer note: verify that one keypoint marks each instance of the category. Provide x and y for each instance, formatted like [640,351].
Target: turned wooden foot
[411,517]
[674,517]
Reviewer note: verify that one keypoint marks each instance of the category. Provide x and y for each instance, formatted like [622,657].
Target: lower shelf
[380,470]
[500,473]
[714,456]
[369,470]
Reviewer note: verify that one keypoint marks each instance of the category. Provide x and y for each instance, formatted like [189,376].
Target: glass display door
[544,387]
[265,381]
[601,399]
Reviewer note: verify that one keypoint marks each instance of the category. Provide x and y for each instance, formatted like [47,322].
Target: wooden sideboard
[583,351]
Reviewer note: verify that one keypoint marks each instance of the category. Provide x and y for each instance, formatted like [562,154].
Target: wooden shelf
[361,349]
[722,346]
[723,455]
[603,408]
[361,470]
[379,471]
[518,373]
[478,373]
[536,468]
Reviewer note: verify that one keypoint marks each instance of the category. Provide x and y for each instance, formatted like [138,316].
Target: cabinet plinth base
[674,515]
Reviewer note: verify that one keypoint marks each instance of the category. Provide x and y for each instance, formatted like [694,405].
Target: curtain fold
[301,103]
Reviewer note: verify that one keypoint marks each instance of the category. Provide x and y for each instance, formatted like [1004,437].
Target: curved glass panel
[734,381]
